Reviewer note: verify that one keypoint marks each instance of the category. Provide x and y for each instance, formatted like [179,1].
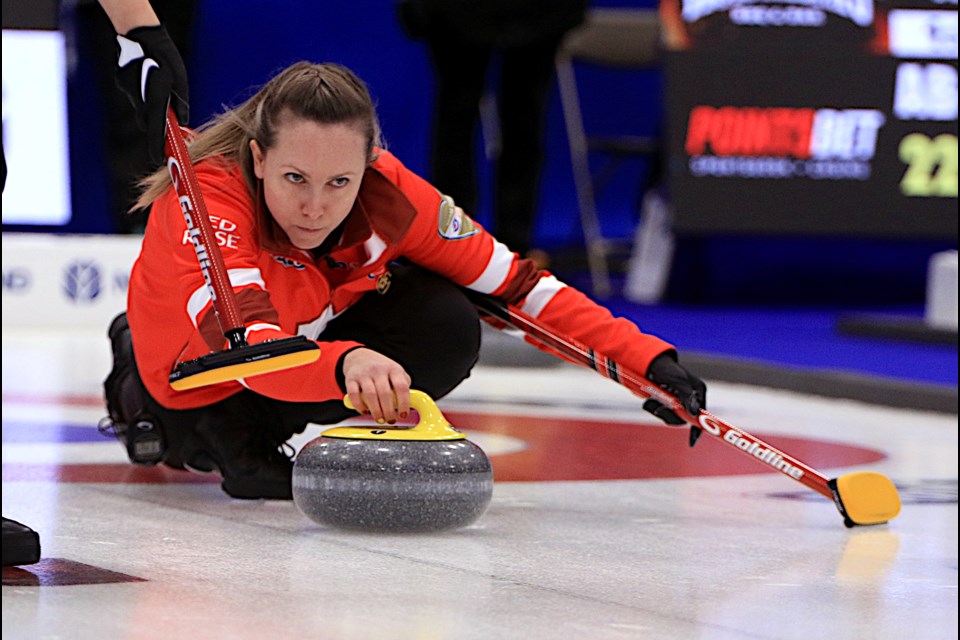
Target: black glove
[151,72]
[666,373]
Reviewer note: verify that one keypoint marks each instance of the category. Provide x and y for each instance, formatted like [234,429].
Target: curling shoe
[270,478]
[252,467]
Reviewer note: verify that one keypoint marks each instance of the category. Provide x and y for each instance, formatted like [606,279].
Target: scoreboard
[812,117]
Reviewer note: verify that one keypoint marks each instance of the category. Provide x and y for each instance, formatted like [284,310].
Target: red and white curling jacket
[290,292]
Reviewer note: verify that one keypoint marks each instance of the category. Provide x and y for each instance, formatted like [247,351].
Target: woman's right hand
[377,385]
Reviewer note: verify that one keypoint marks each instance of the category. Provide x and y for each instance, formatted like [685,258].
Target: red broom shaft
[201,233]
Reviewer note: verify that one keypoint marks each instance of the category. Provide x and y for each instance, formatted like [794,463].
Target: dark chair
[612,38]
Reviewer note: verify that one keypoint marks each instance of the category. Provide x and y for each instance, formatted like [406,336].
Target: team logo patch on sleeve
[453,223]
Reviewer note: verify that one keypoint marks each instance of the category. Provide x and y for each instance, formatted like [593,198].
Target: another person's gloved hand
[666,373]
[151,72]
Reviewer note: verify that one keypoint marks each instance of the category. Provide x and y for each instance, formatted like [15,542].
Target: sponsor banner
[65,281]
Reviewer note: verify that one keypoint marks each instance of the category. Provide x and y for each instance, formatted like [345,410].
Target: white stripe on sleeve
[541,295]
[238,278]
[497,270]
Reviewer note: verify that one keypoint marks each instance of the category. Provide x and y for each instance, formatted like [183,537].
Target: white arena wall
[65,281]
[80,281]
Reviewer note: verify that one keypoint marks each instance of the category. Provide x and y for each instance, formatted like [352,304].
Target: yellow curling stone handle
[432,424]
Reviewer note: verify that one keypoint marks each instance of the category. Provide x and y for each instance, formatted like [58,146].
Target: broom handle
[584,356]
[201,234]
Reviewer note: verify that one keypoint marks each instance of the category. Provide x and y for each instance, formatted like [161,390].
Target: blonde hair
[326,93]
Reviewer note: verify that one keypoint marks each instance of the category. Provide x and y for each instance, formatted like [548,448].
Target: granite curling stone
[423,479]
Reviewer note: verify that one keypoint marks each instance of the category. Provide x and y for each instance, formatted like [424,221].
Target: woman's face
[311,177]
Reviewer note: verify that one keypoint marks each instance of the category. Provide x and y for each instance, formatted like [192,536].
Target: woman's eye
[340,182]
[295,178]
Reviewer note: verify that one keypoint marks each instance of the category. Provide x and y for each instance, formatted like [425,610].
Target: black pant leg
[423,321]
[526,78]
[461,72]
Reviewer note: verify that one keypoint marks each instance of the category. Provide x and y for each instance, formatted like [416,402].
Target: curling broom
[863,498]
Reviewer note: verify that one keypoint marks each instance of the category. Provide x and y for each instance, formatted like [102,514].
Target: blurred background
[775,156]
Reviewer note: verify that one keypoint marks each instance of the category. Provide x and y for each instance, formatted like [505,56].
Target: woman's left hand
[377,385]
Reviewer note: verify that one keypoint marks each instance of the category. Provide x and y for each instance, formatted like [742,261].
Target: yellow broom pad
[246,369]
[868,497]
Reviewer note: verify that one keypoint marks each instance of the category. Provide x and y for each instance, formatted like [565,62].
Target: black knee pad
[130,418]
